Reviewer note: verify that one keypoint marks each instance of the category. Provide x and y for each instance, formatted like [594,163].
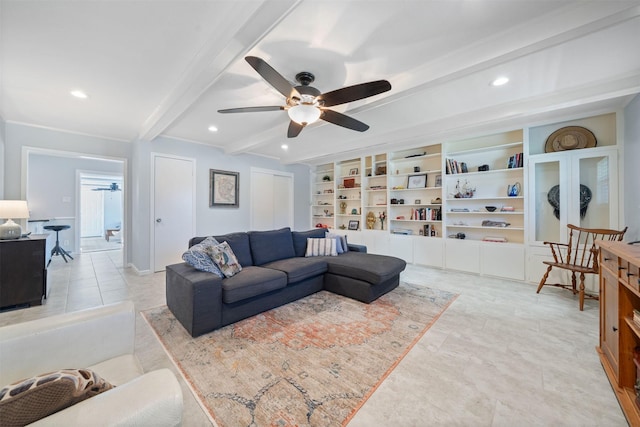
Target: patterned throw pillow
[321,247]
[225,259]
[198,257]
[29,400]
[341,242]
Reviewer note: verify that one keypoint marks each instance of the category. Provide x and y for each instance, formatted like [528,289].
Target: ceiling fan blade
[294,129]
[342,120]
[272,77]
[353,93]
[251,109]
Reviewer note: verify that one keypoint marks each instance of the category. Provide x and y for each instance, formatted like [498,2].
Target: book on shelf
[515,161]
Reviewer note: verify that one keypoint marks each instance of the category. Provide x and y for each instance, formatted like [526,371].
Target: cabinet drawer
[609,260]
[629,275]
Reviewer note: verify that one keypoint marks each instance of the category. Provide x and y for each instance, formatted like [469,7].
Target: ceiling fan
[305,104]
[113,187]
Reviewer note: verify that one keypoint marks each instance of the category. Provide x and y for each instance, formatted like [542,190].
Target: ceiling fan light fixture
[304,114]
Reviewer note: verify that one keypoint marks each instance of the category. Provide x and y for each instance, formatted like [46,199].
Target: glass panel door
[547,203]
[594,198]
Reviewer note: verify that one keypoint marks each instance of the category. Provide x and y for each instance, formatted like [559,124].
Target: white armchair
[100,339]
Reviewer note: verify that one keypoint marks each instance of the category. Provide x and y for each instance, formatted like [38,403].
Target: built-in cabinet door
[577,187]
[609,320]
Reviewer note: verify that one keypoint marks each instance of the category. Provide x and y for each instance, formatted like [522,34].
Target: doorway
[101,212]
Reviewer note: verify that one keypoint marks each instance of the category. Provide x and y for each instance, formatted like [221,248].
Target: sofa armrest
[357,248]
[70,340]
[194,297]
[153,399]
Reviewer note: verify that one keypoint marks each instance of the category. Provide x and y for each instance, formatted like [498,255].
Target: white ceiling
[155,68]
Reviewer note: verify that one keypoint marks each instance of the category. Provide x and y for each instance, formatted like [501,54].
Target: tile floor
[500,355]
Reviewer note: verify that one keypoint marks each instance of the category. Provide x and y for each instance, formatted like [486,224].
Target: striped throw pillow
[321,247]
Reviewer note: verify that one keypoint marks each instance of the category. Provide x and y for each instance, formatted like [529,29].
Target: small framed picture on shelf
[438,181]
[353,171]
[354,224]
[417,181]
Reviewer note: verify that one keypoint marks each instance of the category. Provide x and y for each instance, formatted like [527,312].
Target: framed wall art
[417,181]
[224,188]
[354,224]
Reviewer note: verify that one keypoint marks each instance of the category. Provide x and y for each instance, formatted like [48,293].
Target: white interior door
[271,199]
[173,209]
[91,213]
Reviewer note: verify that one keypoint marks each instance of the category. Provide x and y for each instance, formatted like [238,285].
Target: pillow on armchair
[29,400]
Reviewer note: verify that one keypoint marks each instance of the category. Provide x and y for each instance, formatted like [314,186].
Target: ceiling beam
[225,46]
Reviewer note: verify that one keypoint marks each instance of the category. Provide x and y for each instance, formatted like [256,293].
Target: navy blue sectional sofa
[274,272]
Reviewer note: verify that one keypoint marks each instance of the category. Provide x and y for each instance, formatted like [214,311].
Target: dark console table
[23,273]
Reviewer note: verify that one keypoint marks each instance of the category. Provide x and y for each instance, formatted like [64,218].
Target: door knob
[614,329]
[158,220]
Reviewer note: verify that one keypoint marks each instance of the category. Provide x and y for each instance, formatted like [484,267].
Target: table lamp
[10,210]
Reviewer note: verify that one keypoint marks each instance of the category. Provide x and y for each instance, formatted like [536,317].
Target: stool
[57,250]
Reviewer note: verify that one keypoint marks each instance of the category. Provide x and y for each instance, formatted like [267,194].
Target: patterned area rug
[313,362]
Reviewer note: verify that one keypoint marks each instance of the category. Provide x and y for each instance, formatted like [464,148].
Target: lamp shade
[14,209]
[10,209]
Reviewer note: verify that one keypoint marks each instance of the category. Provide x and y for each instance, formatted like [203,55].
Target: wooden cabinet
[23,273]
[619,333]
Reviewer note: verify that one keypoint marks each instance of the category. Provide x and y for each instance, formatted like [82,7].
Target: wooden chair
[580,255]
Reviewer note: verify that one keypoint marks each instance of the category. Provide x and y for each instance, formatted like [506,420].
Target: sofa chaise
[275,271]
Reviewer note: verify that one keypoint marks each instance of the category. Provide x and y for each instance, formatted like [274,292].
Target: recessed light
[212,129]
[500,81]
[79,94]
[284,146]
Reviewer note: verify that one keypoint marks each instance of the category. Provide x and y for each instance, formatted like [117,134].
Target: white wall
[2,166]
[632,169]
[209,220]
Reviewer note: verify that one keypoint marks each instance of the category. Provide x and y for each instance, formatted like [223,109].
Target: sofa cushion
[298,269]
[250,282]
[272,245]
[300,239]
[225,259]
[370,268]
[239,243]
[321,247]
[240,246]
[37,397]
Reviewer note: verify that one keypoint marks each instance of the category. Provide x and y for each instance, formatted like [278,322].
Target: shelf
[489,172]
[414,158]
[323,182]
[376,206]
[413,204]
[484,149]
[322,216]
[350,189]
[480,227]
[417,220]
[322,206]
[379,190]
[414,189]
[350,215]
[467,199]
[401,175]
[485,213]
